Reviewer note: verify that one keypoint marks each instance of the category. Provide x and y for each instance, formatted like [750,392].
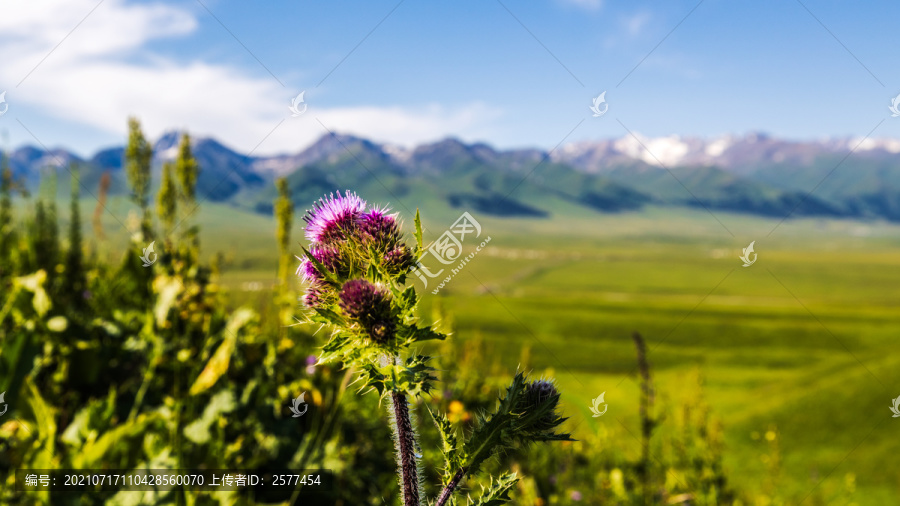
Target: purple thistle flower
[371,306]
[380,227]
[398,260]
[314,294]
[332,218]
[539,391]
[328,256]
[361,299]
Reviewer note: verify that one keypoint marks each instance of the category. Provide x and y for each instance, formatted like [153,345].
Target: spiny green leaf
[498,493]
[408,298]
[418,232]
[493,433]
[327,316]
[412,334]
[449,445]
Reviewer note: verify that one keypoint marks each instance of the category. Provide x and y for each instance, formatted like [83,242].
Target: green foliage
[74,281]
[498,492]
[138,156]
[187,169]
[179,380]
[6,218]
[516,420]
[167,199]
[284,219]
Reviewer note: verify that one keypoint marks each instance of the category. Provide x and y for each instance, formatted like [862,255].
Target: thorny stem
[406,449]
[448,490]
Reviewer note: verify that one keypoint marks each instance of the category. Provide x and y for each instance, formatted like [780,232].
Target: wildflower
[333,219]
[371,306]
[379,228]
[311,364]
[328,256]
[398,260]
[541,397]
[315,294]
[575,495]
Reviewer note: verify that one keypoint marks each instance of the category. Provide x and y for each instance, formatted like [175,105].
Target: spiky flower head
[333,218]
[398,260]
[370,306]
[539,404]
[315,294]
[329,256]
[379,228]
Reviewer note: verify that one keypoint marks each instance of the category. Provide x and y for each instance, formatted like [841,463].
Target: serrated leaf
[449,445]
[418,232]
[414,334]
[325,315]
[408,298]
[493,433]
[498,493]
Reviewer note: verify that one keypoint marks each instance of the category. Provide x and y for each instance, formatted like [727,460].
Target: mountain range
[753,173]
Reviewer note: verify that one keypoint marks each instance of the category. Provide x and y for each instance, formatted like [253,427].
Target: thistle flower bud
[398,260]
[371,306]
[382,331]
[314,295]
[379,228]
[541,396]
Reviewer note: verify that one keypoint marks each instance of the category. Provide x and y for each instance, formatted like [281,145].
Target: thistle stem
[406,449]
[448,490]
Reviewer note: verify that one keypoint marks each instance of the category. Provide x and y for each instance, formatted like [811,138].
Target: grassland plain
[801,345]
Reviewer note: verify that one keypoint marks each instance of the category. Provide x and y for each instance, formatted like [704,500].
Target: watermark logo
[746,256]
[295,408]
[895,408]
[600,100]
[595,408]
[146,256]
[447,249]
[296,102]
[4,106]
[3,401]
[894,108]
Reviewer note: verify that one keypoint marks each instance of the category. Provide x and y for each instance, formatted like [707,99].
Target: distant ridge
[754,173]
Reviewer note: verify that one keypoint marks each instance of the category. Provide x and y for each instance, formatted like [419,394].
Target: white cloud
[634,24]
[102,73]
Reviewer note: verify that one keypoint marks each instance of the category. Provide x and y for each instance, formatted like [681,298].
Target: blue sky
[513,74]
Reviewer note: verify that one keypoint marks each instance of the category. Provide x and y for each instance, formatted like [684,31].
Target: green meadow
[801,344]
[796,352]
